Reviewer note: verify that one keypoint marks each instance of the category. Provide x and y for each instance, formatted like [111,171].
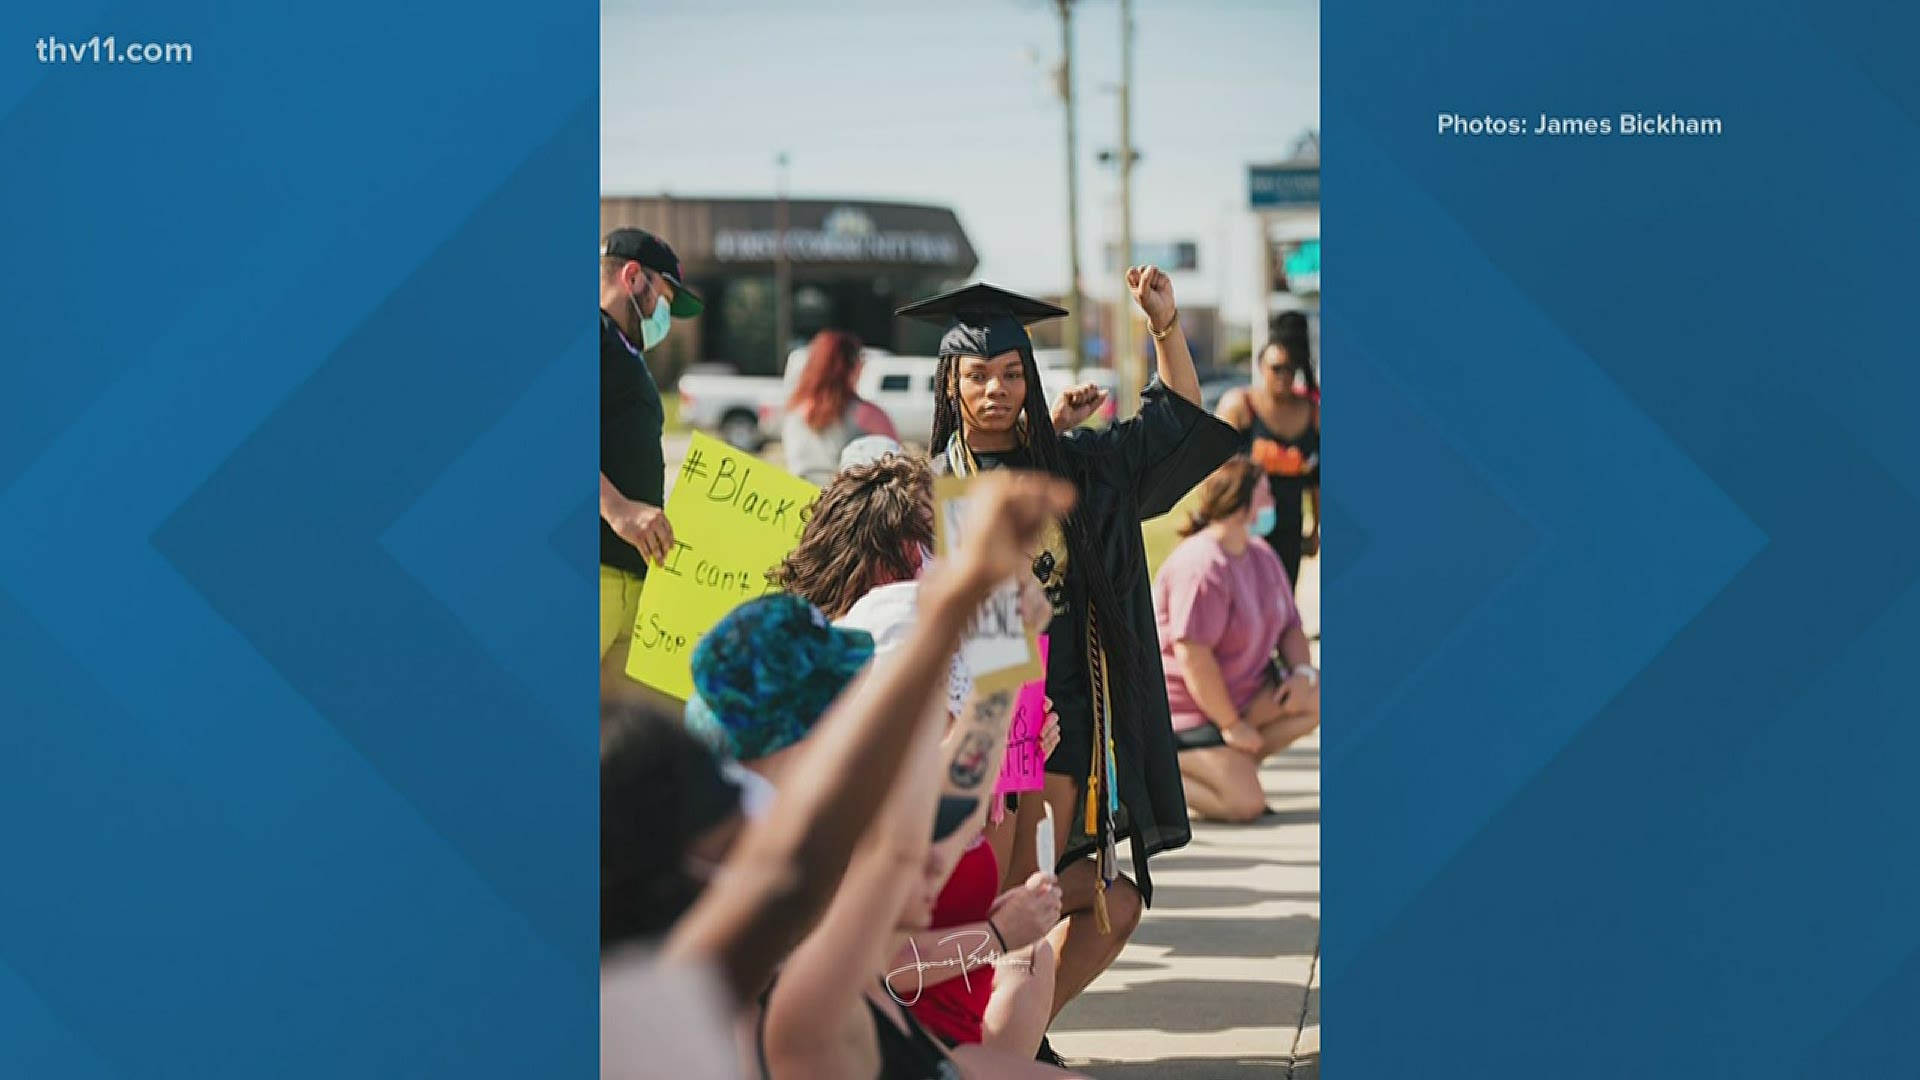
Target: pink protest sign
[1024,768]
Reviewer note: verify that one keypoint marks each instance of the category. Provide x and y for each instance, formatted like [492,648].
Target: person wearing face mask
[641,293]
[1241,684]
[1279,419]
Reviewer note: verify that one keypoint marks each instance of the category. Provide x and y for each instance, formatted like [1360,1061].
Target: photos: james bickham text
[1626,123]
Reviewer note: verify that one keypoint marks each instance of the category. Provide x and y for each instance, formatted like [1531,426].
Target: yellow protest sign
[734,518]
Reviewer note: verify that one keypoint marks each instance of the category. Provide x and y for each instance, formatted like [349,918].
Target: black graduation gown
[1129,473]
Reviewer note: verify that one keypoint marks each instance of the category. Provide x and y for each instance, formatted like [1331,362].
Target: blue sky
[952,103]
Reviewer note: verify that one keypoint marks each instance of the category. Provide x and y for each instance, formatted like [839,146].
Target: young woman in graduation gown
[1115,775]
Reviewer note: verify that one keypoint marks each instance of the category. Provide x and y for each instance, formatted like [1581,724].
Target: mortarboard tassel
[1096,756]
[1101,772]
[1093,806]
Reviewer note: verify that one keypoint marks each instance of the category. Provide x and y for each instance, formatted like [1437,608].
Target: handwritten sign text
[734,518]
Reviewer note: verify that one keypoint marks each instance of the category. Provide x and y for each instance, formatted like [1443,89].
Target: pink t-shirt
[1237,605]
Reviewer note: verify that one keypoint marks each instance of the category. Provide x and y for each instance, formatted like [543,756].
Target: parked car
[773,414]
[728,404]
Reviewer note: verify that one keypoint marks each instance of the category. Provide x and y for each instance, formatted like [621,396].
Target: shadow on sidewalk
[1190,1006]
[1272,819]
[1231,936]
[1186,860]
[1172,897]
[1138,965]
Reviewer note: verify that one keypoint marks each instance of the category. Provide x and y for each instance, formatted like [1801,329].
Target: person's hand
[1008,512]
[1263,710]
[1310,546]
[645,527]
[1036,611]
[1049,732]
[1075,404]
[1027,911]
[1245,738]
[1299,694]
[1153,291]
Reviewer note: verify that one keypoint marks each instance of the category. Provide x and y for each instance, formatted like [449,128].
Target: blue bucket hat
[766,673]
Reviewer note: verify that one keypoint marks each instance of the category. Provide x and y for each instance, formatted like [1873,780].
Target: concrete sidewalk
[1221,981]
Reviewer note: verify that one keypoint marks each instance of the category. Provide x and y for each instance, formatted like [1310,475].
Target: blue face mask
[1264,521]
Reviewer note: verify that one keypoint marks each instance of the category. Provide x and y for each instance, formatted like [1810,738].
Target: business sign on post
[1296,266]
[1167,255]
[1273,187]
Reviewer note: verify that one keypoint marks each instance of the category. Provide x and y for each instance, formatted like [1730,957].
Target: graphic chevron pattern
[1643,808]
[298,749]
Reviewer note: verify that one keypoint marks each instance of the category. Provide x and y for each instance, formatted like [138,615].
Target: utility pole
[1127,363]
[782,270]
[1075,338]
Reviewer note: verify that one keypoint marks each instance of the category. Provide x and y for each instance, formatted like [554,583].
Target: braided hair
[1127,681]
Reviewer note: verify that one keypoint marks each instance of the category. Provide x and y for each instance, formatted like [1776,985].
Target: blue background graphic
[297,765]
[296,586]
[1625,533]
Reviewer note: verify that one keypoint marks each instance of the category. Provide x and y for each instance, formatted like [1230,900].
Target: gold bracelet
[1161,335]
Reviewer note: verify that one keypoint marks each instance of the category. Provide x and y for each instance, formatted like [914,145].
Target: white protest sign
[998,649]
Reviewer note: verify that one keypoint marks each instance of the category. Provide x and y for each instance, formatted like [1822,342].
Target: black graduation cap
[987,320]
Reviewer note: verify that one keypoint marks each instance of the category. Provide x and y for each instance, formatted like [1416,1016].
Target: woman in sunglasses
[1280,418]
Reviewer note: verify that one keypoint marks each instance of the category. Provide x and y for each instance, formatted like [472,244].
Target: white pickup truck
[746,410]
[713,398]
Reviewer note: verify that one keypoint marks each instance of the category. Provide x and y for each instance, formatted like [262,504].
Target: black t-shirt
[1076,602]
[631,421]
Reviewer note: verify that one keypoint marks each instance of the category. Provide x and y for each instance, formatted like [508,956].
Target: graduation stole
[1103,792]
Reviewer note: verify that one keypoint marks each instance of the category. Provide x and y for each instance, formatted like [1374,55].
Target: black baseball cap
[653,253]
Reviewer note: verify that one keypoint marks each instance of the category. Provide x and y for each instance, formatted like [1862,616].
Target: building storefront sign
[1272,187]
[847,234]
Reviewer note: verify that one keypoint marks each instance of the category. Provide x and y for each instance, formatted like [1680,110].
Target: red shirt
[953,1009]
